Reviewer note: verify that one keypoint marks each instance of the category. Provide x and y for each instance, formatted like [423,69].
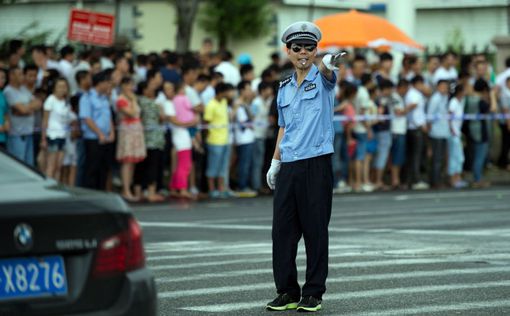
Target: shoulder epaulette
[285,81]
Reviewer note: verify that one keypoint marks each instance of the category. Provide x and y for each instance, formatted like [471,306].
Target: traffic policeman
[301,170]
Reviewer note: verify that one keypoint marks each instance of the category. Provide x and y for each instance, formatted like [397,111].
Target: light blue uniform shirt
[437,115]
[96,107]
[306,113]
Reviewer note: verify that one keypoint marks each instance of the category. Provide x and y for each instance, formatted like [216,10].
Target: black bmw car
[66,251]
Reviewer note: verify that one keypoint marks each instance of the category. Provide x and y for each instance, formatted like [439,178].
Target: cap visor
[303,41]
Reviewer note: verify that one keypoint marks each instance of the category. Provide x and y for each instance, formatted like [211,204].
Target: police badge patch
[311,86]
[285,81]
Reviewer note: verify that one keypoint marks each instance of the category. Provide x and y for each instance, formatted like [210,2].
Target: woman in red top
[130,144]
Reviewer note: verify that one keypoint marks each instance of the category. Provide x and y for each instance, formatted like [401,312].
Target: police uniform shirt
[306,113]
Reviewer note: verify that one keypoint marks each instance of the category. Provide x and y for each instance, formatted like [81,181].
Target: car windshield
[12,171]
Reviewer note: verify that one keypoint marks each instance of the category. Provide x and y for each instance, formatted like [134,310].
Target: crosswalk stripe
[405,210]
[372,263]
[331,229]
[203,276]
[231,251]
[437,308]
[229,307]
[342,279]
[207,247]
[398,209]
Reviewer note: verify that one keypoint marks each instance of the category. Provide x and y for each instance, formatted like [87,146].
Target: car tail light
[120,253]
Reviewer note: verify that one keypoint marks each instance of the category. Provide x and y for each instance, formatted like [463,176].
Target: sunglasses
[296,48]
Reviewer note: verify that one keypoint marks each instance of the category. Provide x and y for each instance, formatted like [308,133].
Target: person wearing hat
[301,170]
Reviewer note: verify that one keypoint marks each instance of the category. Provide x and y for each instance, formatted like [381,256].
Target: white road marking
[372,263]
[209,246]
[437,308]
[357,294]
[229,250]
[473,232]
[345,279]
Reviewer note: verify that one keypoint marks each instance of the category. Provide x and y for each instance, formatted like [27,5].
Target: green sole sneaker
[282,308]
[309,309]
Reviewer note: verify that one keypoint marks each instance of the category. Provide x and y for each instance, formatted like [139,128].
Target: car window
[12,171]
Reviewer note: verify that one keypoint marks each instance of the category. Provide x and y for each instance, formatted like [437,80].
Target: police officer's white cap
[302,31]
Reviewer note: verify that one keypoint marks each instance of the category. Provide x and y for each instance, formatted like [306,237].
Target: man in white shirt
[416,128]
[447,70]
[244,135]
[66,62]
[363,134]
[260,111]
[433,63]
[189,77]
[42,61]
[209,93]
[107,58]
[230,72]
[398,131]
[81,64]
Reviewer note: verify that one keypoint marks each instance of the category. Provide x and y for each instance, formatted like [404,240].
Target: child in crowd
[455,148]
[181,140]
[56,125]
[184,110]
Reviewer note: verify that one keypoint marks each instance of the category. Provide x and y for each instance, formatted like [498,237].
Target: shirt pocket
[311,100]
[286,112]
[97,107]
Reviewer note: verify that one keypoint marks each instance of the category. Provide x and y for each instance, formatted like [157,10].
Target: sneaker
[214,194]
[480,184]
[367,187]
[246,193]
[342,187]
[309,304]
[420,186]
[460,184]
[228,194]
[283,302]
[194,191]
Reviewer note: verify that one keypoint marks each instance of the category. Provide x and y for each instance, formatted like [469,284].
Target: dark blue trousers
[302,207]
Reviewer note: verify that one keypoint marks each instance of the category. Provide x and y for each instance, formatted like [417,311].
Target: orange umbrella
[355,29]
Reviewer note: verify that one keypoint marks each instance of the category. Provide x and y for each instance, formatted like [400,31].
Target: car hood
[47,192]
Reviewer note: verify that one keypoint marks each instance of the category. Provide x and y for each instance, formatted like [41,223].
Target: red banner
[89,27]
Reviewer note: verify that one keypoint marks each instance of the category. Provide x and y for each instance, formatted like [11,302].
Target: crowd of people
[195,123]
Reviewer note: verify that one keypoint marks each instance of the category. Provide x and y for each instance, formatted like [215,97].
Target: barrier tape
[336,118]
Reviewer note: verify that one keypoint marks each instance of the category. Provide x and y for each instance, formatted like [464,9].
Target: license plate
[22,278]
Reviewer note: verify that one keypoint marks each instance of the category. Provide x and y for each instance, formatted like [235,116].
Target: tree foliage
[235,19]
[31,34]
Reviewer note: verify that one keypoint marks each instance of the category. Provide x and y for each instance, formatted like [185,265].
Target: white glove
[331,61]
[272,173]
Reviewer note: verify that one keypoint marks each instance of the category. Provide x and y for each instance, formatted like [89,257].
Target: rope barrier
[336,118]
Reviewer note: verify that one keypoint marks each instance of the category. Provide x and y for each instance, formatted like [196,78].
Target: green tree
[186,11]
[235,19]
[455,40]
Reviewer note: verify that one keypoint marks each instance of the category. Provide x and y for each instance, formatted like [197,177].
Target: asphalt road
[412,253]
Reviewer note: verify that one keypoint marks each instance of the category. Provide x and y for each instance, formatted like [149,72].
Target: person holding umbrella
[301,170]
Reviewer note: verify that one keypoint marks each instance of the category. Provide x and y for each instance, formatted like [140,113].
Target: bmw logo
[23,237]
